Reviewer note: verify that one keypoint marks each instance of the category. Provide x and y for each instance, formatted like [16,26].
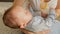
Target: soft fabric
[36,4]
[38,23]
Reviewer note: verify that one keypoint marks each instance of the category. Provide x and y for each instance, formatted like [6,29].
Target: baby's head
[9,22]
[17,17]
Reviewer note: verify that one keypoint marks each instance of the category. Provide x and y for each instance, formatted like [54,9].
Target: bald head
[8,20]
[16,17]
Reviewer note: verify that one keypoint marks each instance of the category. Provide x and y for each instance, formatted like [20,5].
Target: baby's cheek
[23,17]
[28,16]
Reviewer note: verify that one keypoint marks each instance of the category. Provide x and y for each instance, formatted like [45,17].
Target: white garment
[36,6]
[53,3]
[36,3]
[38,23]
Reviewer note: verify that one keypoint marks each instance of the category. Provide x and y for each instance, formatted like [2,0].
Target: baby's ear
[47,0]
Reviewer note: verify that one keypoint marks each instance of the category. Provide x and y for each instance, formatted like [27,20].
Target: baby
[42,19]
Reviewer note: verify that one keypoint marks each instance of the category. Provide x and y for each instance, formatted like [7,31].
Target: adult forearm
[18,2]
